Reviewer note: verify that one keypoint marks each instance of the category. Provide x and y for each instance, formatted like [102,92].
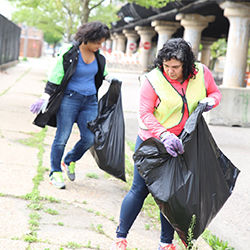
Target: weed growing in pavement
[99,229]
[51,199]
[92,175]
[33,225]
[51,211]
[98,213]
[73,245]
[36,140]
[190,234]
[91,247]
[215,242]
[31,237]
[60,224]
[35,216]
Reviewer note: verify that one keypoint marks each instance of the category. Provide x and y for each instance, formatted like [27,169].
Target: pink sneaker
[120,244]
[167,247]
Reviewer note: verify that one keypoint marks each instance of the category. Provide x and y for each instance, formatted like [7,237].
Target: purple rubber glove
[172,144]
[40,105]
[210,103]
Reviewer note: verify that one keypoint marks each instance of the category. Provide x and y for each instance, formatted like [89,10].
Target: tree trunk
[85,11]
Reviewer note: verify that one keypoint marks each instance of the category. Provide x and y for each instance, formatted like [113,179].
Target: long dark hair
[92,32]
[179,49]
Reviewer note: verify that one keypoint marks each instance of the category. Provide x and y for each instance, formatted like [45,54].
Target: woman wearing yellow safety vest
[169,94]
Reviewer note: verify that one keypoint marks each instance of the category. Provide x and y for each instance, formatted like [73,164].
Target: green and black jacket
[59,79]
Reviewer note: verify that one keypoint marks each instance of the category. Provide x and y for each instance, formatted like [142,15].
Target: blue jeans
[74,108]
[132,205]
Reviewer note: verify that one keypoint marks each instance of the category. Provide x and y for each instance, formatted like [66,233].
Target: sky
[6,8]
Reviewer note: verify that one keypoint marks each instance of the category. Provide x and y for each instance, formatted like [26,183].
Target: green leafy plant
[218,48]
[73,245]
[51,211]
[190,234]
[92,175]
[215,242]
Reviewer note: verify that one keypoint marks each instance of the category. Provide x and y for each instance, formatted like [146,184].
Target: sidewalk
[86,213]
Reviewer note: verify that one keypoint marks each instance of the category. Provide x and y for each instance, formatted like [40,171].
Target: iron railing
[9,40]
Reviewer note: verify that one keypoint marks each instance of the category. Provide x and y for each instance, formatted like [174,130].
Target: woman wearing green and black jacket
[71,96]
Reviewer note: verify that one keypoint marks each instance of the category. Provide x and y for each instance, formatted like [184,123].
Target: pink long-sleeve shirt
[149,100]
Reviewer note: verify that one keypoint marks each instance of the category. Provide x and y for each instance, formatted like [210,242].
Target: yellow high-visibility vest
[171,108]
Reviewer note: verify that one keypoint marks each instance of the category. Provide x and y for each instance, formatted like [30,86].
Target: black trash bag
[196,183]
[109,131]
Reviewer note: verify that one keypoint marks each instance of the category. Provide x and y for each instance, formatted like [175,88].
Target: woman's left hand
[210,103]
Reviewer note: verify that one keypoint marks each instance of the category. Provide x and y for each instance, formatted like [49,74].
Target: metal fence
[9,40]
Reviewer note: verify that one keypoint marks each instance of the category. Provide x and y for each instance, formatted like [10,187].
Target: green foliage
[190,235]
[215,242]
[60,18]
[73,245]
[105,14]
[92,175]
[219,48]
[152,3]
[51,211]
[52,38]
[32,237]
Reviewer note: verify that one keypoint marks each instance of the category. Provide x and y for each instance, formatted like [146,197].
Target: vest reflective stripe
[170,110]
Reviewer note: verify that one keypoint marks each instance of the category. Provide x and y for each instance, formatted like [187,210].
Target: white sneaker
[57,180]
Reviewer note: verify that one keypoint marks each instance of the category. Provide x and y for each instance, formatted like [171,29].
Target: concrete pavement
[85,214]
[35,215]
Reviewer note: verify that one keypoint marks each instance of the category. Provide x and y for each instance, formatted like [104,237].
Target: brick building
[31,42]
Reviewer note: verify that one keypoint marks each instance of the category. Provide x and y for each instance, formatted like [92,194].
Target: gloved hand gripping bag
[109,133]
[197,182]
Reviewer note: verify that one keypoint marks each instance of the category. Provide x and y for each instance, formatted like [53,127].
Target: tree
[153,3]
[53,39]
[62,17]
[218,48]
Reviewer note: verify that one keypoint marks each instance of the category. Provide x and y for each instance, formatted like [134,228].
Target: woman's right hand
[40,105]
[172,144]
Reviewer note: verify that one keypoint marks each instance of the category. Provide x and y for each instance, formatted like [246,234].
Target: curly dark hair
[179,49]
[92,32]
